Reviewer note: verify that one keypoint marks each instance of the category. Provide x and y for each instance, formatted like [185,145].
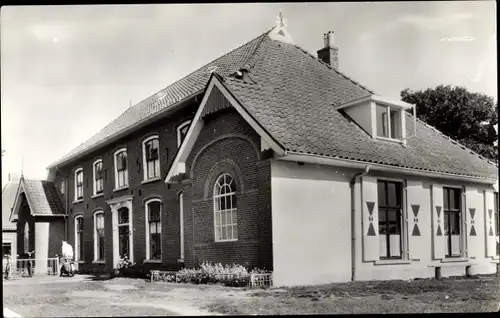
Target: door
[123,232]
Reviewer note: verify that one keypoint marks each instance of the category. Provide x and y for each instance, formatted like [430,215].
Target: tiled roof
[292,94]
[43,197]
[9,192]
[188,86]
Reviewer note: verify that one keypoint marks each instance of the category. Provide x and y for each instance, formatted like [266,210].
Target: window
[225,220]
[99,236]
[153,215]
[452,220]
[98,177]
[123,232]
[79,238]
[63,187]
[121,171]
[26,237]
[182,132]
[388,122]
[79,184]
[389,219]
[151,158]
[497,221]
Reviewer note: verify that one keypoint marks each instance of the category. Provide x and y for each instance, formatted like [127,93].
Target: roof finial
[280,21]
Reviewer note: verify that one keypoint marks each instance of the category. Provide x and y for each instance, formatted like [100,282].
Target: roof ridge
[252,56]
[336,70]
[455,141]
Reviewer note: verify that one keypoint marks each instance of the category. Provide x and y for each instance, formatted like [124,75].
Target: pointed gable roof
[42,198]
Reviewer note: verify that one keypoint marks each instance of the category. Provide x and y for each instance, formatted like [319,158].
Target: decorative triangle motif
[472,212]
[415,208]
[439,233]
[490,212]
[491,231]
[438,210]
[472,231]
[371,230]
[370,206]
[416,231]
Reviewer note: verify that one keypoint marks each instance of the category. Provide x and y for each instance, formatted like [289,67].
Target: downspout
[353,224]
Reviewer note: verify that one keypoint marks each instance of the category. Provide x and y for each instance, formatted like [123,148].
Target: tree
[467,117]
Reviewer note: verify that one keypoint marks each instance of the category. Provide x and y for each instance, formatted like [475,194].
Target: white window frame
[148,247]
[115,156]
[94,179]
[76,184]
[181,221]
[179,128]
[400,118]
[144,161]
[63,187]
[96,247]
[217,212]
[77,247]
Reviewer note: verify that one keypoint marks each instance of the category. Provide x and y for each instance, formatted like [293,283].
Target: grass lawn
[479,294]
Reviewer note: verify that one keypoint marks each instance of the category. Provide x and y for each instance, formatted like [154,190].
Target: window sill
[226,241]
[80,262]
[95,196]
[98,262]
[151,180]
[78,201]
[398,141]
[153,261]
[120,189]
[393,262]
[455,260]
[180,260]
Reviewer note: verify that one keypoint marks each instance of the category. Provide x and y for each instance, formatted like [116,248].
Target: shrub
[208,273]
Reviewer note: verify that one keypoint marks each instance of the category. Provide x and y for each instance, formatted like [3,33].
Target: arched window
[182,132]
[121,168]
[99,236]
[225,219]
[153,228]
[151,157]
[78,184]
[98,177]
[79,238]
[26,237]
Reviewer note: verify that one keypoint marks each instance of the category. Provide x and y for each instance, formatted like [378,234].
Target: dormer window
[388,122]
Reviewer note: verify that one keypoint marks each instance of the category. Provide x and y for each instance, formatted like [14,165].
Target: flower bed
[208,273]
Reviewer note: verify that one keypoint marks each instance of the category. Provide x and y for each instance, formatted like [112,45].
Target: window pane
[455,223]
[235,220]
[393,194]
[395,124]
[152,228]
[123,216]
[394,222]
[454,199]
[382,225]
[446,223]
[446,198]
[382,124]
[381,194]
[235,231]
[223,233]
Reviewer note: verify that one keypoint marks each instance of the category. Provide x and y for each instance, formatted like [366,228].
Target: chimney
[330,53]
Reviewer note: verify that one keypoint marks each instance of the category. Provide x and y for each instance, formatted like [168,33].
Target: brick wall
[225,136]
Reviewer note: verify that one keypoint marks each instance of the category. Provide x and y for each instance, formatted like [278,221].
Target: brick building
[271,157]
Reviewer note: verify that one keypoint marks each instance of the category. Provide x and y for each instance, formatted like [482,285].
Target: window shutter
[489,217]
[472,206]
[418,202]
[370,219]
[438,222]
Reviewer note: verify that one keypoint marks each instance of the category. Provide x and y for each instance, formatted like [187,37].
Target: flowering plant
[125,262]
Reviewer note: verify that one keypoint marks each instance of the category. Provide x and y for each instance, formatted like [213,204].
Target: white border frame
[115,204]
[215,196]
[116,168]
[146,218]
[178,130]
[94,217]
[77,248]
[144,163]
[94,184]
[75,185]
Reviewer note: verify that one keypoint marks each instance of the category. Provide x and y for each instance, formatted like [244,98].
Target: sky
[67,71]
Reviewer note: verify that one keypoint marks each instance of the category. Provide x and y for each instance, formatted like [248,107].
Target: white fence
[46,266]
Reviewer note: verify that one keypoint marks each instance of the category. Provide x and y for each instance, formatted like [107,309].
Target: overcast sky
[67,71]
